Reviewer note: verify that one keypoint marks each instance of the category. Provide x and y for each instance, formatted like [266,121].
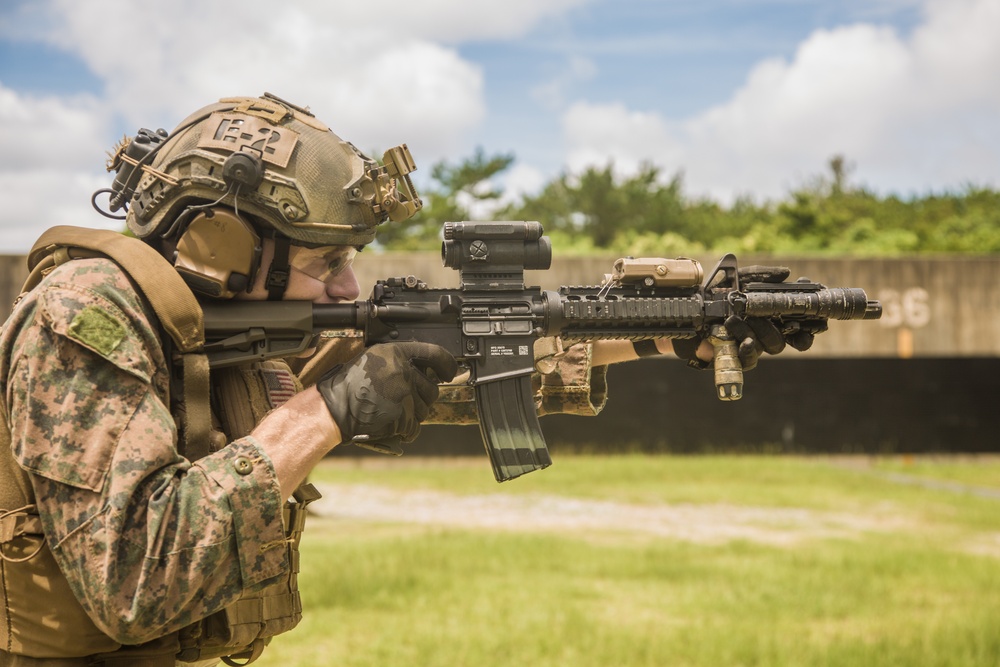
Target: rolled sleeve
[567,383]
[574,385]
[247,477]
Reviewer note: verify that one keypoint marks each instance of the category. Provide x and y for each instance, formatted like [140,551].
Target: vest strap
[197,408]
[172,300]
[17,523]
[247,656]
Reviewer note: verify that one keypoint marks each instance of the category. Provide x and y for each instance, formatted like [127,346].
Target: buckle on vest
[249,655]
[22,521]
[19,522]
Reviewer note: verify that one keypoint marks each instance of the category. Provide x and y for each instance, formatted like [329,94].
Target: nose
[343,286]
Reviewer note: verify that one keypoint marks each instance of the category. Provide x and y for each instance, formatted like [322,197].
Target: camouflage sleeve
[572,385]
[148,541]
[566,383]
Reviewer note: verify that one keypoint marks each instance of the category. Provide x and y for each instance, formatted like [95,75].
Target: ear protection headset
[218,254]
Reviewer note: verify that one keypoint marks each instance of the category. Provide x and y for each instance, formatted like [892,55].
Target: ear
[219,254]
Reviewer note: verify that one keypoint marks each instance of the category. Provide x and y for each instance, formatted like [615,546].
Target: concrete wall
[800,404]
[934,306]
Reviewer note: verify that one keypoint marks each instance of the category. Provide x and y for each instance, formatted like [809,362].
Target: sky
[742,97]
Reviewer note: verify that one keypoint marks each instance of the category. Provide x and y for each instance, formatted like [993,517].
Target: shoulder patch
[89,321]
[97,329]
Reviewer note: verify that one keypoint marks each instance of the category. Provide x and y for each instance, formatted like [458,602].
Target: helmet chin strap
[277,273]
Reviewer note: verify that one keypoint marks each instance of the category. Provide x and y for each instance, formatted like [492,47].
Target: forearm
[616,351]
[296,437]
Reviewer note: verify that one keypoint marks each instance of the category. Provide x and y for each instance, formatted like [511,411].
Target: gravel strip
[705,524]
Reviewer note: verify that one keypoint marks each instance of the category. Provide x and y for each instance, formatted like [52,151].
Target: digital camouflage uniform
[148,541]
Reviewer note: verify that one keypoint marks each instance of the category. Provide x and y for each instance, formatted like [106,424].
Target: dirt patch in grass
[705,524]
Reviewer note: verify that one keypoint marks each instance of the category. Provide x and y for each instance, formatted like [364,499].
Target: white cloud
[598,134]
[38,131]
[914,114]
[37,199]
[520,180]
[53,160]
[449,21]
[369,88]
[551,93]
[377,75]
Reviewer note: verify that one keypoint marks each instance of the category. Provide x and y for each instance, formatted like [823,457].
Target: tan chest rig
[213,413]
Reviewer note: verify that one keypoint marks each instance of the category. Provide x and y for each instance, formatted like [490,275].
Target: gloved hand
[382,395]
[756,335]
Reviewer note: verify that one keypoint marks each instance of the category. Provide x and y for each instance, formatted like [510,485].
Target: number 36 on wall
[905,308]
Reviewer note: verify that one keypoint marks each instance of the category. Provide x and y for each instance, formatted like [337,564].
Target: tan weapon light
[658,272]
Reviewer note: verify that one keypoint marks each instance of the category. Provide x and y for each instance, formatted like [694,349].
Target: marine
[151,507]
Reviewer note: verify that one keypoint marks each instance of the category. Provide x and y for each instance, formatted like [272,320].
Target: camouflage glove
[756,335]
[379,398]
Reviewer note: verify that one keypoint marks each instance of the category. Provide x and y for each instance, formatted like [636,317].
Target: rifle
[491,321]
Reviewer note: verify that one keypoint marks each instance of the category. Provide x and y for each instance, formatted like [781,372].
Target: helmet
[267,158]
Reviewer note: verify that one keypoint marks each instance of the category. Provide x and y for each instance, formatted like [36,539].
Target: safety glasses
[321,263]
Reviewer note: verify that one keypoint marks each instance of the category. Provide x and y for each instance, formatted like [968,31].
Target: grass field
[637,560]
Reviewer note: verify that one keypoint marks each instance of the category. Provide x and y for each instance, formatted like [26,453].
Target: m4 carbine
[491,321]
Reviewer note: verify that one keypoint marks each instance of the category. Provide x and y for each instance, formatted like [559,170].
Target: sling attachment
[247,656]
[166,292]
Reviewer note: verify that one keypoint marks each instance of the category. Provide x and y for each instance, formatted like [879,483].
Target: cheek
[303,288]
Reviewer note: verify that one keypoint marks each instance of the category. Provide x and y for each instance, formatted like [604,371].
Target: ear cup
[218,254]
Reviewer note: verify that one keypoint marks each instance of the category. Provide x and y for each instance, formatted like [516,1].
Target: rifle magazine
[509,426]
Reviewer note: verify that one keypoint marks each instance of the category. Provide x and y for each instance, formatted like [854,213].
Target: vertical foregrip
[728,369]
[510,429]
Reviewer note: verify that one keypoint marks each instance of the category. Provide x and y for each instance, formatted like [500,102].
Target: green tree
[596,210]
[601,207]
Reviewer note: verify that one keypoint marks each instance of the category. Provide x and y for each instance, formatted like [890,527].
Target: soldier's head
[249,189]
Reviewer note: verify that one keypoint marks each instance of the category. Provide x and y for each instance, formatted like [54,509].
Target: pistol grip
[728,369]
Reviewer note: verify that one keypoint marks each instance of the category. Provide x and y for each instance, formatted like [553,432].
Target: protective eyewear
[321,263]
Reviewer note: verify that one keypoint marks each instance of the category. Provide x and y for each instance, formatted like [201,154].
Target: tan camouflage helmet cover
[316,189]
